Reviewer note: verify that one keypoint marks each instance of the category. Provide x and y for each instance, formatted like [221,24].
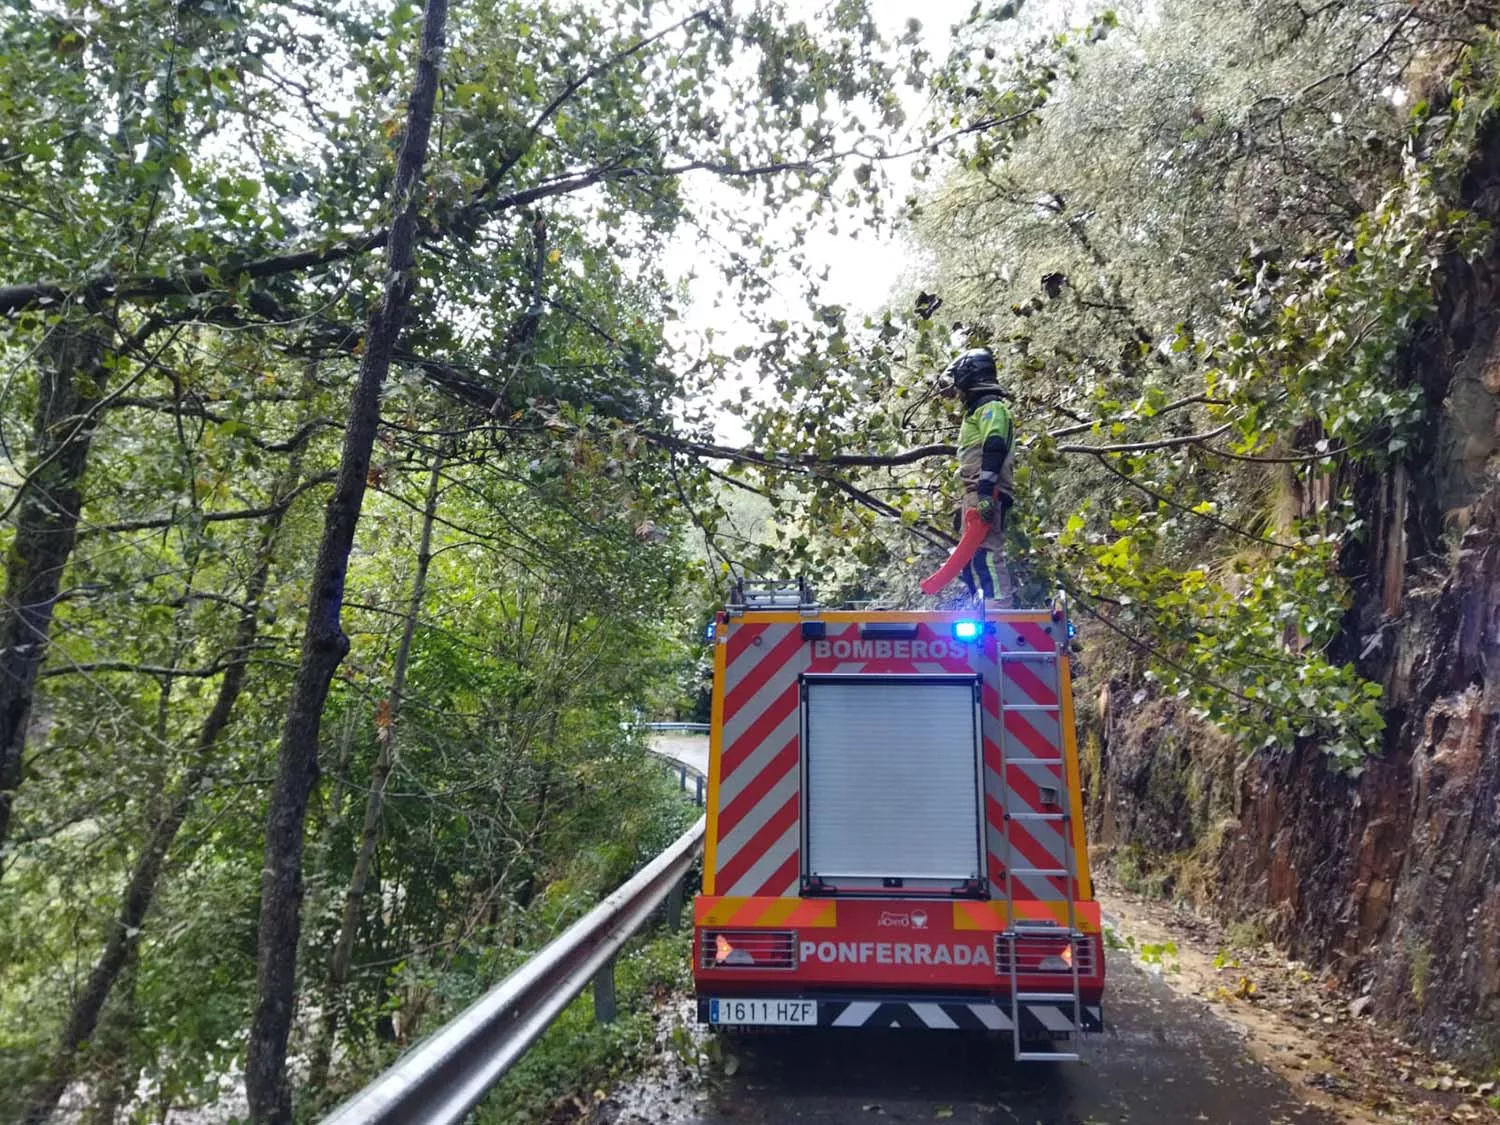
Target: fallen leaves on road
[1303,1025]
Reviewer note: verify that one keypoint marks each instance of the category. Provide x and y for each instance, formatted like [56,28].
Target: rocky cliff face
[1391,879]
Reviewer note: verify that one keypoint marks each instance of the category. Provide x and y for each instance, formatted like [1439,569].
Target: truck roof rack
[778,595]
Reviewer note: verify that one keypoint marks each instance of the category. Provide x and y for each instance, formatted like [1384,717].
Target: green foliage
[1138,873]
[199,191]
[1223,959]
[1244,637]
[1201,261]
[1158,955]
[1243,644]
[1161,954]
[1203,270]
[578,1056]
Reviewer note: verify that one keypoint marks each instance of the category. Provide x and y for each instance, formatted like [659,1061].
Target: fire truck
[895,825]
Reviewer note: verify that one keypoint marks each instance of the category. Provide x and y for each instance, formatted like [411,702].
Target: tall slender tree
[388,717]
[324,642]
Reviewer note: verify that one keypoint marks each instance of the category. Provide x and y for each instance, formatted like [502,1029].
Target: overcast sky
[862,266]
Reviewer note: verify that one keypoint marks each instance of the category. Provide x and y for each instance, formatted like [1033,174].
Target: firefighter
[986,457]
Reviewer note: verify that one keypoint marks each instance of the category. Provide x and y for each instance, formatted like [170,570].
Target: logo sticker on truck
[916,920]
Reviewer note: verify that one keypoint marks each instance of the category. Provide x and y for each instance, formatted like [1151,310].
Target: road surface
[1163,1059]
[690,749]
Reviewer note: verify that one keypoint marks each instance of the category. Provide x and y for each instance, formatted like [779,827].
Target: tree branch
[921,529]
[206,279]
[1085,425]
[571,88]
[1181,507]
[290,444]
[211,517]
[1146,446]
[205,672]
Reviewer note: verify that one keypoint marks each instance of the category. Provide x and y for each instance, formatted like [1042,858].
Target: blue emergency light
[966,630]
[708,632]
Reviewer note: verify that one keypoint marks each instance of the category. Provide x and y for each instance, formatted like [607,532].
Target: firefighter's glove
[987,508]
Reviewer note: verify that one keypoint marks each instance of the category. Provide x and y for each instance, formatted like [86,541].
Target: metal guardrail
[445,1075]
[682,769]
[683,772]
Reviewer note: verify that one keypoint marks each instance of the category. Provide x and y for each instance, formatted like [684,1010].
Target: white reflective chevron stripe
[856,1014]
[1050,1017]
[775,799]
[934,1016]
[771,861]
[991,1016]
[732,785]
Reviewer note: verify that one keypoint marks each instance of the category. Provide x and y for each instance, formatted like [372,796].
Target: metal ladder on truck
[1044,665]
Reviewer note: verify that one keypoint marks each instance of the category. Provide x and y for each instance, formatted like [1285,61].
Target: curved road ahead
[1164,1059]
[689,749]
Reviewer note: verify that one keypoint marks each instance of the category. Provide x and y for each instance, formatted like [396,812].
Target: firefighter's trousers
[986,573]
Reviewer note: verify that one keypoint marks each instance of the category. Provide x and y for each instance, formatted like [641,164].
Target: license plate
[765,1013]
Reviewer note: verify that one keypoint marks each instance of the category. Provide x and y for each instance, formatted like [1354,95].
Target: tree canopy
[362,485]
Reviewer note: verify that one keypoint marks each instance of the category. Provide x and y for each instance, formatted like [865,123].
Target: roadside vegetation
[575,1064]
[359,477]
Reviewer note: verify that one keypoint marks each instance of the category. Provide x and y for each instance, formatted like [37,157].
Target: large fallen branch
[811,462]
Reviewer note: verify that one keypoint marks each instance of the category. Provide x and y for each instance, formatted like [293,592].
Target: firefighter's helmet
[973,370]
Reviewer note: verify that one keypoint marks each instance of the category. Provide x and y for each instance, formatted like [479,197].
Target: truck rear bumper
[932,1013]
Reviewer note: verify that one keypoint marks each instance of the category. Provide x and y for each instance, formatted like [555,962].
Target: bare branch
[1146,446]
[281,505]
[571,88]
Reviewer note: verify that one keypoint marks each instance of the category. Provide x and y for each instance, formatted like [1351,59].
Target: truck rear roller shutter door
[892,783]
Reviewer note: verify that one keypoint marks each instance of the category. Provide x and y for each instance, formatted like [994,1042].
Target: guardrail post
[604,992]
[682,778]
[699,798]
[674,906]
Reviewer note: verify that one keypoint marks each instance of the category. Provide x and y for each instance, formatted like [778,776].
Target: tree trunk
[46,526]
[121,945]
[317,873]
[324,643]
[343,950]
[115,1089]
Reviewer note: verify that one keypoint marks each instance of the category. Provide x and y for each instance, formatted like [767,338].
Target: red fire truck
[895,825]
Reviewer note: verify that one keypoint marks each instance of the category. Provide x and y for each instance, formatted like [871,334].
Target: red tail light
[1045,954]
[724,952]
[748,949]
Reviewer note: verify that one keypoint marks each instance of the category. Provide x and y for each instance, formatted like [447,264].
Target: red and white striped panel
[758,850]
[758,845]
[1023,754]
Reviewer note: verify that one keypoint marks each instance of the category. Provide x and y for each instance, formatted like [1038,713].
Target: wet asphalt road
[1164,1059]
